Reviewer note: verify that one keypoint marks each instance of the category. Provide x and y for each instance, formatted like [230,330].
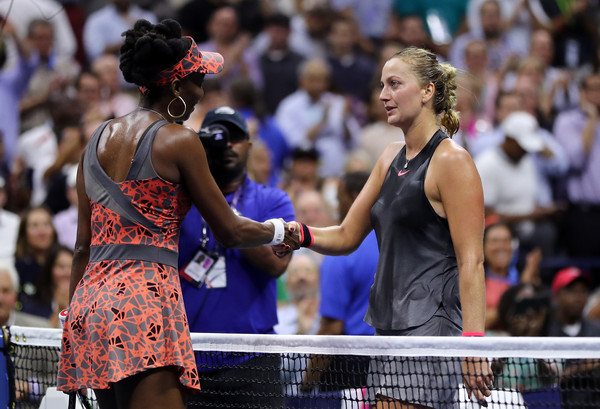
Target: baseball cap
[523,128]
[226,115]
[566,276]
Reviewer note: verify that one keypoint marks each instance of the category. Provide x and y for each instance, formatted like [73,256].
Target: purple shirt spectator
[13,84]
[583,181]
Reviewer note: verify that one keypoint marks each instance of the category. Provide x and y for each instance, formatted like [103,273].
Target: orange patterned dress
[127,313]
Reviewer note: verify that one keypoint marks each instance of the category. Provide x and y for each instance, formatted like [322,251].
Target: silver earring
[184,107]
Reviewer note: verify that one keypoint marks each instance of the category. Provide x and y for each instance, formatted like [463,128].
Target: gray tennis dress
[416,288]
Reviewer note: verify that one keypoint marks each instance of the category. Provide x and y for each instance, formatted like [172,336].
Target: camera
[214,137]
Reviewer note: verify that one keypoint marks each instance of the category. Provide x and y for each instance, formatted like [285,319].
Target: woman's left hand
[478,378]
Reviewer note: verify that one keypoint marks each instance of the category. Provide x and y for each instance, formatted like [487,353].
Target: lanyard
[240,191]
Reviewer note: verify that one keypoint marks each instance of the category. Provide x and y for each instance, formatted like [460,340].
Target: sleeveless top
[127,313]
[417,271]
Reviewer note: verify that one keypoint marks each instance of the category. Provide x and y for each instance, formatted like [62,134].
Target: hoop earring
[184,107]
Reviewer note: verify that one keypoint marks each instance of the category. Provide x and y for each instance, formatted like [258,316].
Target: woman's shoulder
[450,151]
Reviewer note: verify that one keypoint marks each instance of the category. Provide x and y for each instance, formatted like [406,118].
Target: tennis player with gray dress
[425,202]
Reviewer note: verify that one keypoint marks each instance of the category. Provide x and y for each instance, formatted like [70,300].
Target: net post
[4,380]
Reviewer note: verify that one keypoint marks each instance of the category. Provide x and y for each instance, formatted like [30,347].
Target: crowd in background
[305,74]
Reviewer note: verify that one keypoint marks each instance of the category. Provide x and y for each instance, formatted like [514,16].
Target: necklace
[151,110]
[418,151]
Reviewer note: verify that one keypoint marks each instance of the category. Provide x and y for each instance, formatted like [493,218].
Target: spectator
[238,294]
[194,16]
[409,31]
[40,153]
[346,280]
[225,38]
[500,268]
[570,290]
[515,14]
[13,84]
[484,82]
[344,288]
[574,30]
[558,82]
[278,64]
[89,92]
[500,46]
[35,240]
[301,315]
[506,103]
[443,20]
[472,116]
[103,28]
[65,221]
[349,68]
[551,163]
[115,102]
[9,289]
[22,13]
[372,17]
[511,181]
[53,286]
[9,227]
[245,98]
[302,173]
[312,208]
[214,97]
[309,30]
[259,162]
[578,131]
[313,116]
[528,82]
[53,73]
[524,310]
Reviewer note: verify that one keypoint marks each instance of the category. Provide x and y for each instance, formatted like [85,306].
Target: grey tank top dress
[417,273]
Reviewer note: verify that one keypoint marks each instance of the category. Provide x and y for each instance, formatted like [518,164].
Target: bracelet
[473,334]
[278,233]
[306,236]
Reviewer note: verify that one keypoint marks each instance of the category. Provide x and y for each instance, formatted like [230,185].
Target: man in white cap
[513,182]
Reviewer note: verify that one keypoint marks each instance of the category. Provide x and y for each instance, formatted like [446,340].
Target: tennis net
[280,371]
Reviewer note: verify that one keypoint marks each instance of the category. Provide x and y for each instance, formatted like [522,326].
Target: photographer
[231,290]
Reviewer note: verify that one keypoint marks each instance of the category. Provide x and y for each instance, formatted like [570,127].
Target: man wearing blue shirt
[232,290]
[345,285]
[346,280]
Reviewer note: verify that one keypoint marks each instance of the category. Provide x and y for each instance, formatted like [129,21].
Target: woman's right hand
[291,240]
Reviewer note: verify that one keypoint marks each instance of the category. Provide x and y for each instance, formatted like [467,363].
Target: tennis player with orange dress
[126,335]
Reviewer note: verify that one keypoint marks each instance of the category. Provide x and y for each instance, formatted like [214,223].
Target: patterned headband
[204,62]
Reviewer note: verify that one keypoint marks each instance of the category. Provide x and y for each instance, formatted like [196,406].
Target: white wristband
[279,232]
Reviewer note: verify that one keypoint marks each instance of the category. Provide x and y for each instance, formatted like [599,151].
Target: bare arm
[461,197]
[346,238]
[81,255]
[178,155]
[454,188]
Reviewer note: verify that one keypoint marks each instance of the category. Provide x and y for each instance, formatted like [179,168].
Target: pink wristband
[473,334]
